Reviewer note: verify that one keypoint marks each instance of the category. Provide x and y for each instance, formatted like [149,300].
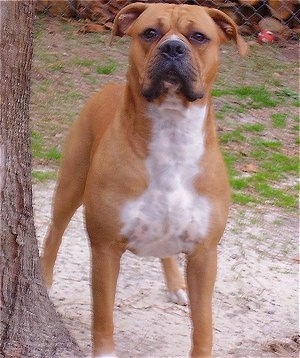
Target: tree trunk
[29,325]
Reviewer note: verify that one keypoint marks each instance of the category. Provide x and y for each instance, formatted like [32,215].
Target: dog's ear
[125,18]
[228,30]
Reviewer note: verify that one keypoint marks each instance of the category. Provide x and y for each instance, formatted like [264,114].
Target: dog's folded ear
[228,30]
[125,18]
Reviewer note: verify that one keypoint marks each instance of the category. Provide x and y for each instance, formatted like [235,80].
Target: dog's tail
[86,131]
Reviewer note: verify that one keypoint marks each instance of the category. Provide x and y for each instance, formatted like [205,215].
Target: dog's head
[175,48]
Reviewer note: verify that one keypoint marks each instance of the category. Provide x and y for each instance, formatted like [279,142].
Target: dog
[144,160]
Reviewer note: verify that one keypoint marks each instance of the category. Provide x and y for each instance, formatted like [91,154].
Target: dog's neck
[171,108]
[178,135]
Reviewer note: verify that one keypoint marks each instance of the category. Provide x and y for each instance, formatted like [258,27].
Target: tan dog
[144,160]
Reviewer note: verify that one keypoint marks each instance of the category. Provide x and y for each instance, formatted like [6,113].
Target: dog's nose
[173,49]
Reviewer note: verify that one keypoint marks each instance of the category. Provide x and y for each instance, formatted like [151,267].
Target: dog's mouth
[171,76]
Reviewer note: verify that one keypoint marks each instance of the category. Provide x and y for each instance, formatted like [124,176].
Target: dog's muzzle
[172,68]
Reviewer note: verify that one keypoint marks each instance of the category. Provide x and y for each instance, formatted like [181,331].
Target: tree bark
[29,325]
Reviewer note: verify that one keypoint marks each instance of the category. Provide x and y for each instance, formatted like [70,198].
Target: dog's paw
[49,287]
[49,290]
[106,355]
[179,297]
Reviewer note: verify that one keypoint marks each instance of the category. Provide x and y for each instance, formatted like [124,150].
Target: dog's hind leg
[68,194]
[174,281]
[65,204]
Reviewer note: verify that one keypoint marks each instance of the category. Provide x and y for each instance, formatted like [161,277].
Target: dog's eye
[150,34]
[198,37]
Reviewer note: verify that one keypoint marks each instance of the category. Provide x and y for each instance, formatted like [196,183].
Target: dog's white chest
[170,217]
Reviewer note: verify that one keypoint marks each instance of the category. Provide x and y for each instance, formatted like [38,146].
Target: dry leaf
[250,168]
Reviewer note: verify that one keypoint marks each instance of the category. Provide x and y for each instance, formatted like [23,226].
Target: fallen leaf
[92,28]
[250,168]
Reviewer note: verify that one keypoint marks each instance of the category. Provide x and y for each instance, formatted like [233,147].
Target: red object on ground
[265,37]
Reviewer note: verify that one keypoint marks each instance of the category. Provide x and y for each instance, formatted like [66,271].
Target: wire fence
[281,17]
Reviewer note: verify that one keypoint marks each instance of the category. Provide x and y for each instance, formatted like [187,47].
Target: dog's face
[174,48]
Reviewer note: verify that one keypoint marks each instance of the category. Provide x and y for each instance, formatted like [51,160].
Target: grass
[256,96]
[253,127]
[270,181]
[262,144]
[42,176]
[41,152]
[229,108]
[256,100]
[106,69]
[279,120]
[259,96]
[234,136]
[260,128]
[289,93]
[85,62]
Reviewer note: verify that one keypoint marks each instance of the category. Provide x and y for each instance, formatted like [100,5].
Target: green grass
[230,160]
[287,92]
[239,183]
[261,146]
[39,151]
[280,163]
[253,128]
[273,167]
[42,176]
[84,62]
[57,66]
[233,136]
[252,96]
[229,108]
[276,196]
[256,97]
[241,198]
[279,120]
[106,69]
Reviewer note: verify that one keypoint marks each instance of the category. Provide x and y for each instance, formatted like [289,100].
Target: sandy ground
[255,302]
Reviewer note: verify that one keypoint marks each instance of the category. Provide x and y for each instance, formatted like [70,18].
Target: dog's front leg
[105,271]
[201,275]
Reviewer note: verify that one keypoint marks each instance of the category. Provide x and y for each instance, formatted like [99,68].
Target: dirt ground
[255,302]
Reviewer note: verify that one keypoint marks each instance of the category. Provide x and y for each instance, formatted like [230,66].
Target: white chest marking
[170,217]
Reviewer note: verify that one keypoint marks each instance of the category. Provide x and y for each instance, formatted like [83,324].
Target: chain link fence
[282,17]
